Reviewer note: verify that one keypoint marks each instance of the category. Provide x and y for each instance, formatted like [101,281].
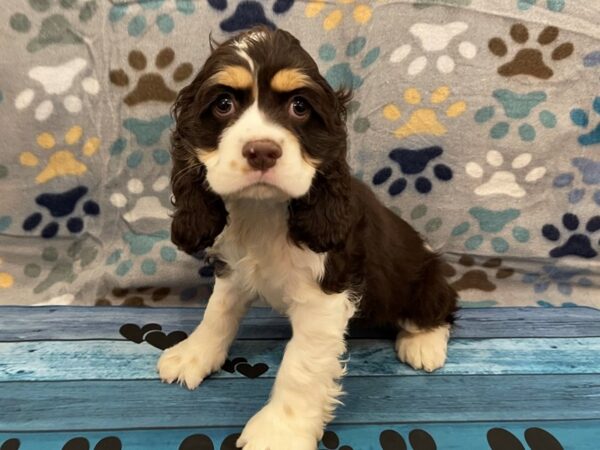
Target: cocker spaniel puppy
[260,180]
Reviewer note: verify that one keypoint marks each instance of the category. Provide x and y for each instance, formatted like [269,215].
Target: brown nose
[261,154]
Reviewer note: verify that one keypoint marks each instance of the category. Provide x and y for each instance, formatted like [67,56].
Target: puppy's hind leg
[422,343]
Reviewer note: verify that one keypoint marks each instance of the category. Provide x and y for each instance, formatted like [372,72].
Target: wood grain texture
[63,323]
[89,405]
[573,435]
[115,360]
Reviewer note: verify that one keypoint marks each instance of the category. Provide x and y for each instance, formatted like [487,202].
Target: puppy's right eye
[223,106]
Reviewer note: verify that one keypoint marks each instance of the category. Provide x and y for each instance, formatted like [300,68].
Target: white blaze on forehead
[243,43]
[247,58]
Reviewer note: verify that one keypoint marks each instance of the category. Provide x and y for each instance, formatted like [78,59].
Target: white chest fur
[262,260]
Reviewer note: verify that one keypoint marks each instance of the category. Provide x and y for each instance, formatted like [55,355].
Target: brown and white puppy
[260,178]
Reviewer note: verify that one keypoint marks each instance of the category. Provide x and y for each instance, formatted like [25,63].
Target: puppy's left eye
[299,108]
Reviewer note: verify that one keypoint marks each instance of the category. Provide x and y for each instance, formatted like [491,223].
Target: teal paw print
[56,28]
[138,24]
[491,224]
[581,118]
[360,124]
[138,245]
[420,218]
[551,5]
[344,74]
[145,133]
[55,268]
[516,107]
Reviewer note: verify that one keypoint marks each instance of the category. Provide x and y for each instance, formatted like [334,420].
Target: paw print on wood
[424,120]
[504,182]
[536,438]
[150,86]
[60,163]
[529,60]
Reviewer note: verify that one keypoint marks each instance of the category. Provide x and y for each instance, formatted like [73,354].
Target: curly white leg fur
[423,350]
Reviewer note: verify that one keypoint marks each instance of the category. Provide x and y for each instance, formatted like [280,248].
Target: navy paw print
[61,205]
[249,14]
[578,244]
[419,440]
[412,163]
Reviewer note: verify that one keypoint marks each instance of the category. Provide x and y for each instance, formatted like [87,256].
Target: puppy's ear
[200,214]
[321,219]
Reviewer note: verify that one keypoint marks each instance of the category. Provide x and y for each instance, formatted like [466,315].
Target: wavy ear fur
[322,218]
[200,214]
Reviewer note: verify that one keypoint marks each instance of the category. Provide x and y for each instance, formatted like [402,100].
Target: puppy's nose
[261,154]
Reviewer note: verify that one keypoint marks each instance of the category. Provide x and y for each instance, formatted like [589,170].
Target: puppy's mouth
[262,185]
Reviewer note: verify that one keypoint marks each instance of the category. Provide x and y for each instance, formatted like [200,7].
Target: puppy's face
[260,118]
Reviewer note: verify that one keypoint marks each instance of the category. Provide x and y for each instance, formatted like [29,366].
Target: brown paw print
[81,443]
[419,440]
[137,297]
[11,444]
[477,278]
[331,441]
[150,86]
[537,439]
[530,61]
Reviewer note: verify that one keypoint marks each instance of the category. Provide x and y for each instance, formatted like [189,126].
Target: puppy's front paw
[425,350]
[188,363]
[270,430]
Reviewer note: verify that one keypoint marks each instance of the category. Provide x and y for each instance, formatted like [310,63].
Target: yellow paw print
[424,121]
[361,12]
[60,163]
[6,279]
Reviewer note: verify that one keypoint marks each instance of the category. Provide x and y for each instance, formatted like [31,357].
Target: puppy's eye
[224,106]
[299,108]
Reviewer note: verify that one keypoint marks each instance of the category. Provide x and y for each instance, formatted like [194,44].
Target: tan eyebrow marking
[289,79]
[236,77]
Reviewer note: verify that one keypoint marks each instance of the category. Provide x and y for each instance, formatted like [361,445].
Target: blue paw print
[551,5]
[138,24]
[592,59]
[138,245]
[342,74]
[581,118]
[61,205]
[412,163]
[565,279]
[492,223]
[249,14]
[577,244]
[589,171]
[5,223]
[516,107]
[146,133]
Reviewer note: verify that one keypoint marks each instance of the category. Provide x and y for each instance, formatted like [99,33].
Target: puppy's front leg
[205,350]
[306,389]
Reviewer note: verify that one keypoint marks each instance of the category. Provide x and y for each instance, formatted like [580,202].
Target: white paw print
[504,182]
[434,39]
[147,206]
[57,81]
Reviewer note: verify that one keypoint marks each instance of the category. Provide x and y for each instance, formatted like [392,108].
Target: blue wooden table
[84,378]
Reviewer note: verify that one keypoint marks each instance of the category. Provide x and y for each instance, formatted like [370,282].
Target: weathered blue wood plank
[46,323]
[574,435]
[115,360]
[93,405]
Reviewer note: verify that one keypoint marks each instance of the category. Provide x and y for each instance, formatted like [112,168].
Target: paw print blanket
[476,121]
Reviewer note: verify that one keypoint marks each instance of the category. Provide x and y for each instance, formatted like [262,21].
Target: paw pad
[146,133]
[150,86]
[249,14]
[419,440]
[478,278]
[412,163]
[61,162]
[137,297]
[551,5]
[345,74]
[589,171]
[578,243]
[146,206]
[581,119]
[331,441]
[529,61]
[565,279]
[537,439]
[516,107]
[138,24]
[504,182]
[424,121]
[59,206]
[361,12]
[434,38]
[56,28]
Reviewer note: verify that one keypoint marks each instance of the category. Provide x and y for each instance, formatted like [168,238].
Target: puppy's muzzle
[261,154]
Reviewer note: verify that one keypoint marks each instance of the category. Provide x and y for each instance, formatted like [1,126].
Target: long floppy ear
[200,214]
[321,219]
